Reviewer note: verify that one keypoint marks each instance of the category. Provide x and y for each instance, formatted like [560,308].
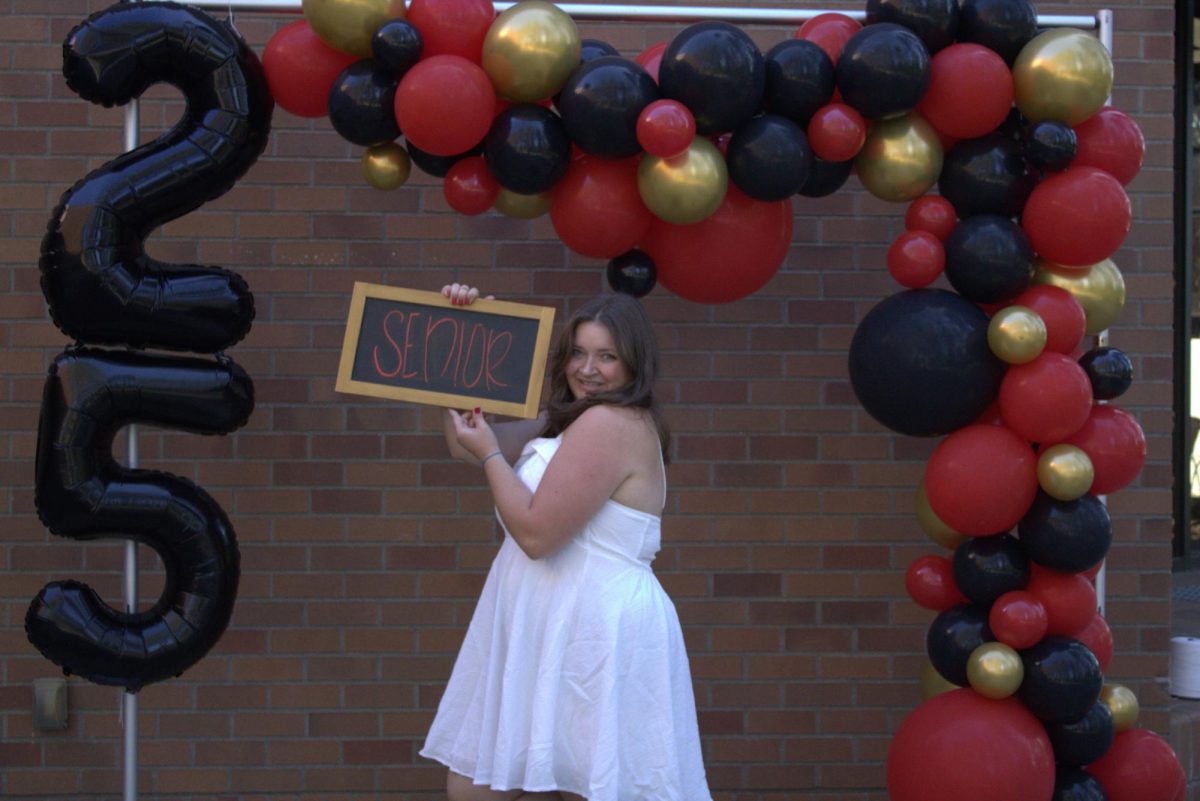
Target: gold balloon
[1123,704]
[1063,75]
[1065,472]
[687,188]
[932,525]
[349,25]
[933,683]
[530,51]
[1100,289]
[901,158]
[1017,334]
[995,670]
[386,166]
[521,207]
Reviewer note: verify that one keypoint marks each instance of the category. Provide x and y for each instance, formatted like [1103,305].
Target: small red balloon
[596,209]
[837,132]
[301,69]
[1112,141]
[970,91]
[916,259]
[981,479]
[665,128]
[1097,636]
[452,27]
[1017,619]
[650,59]
[1068,598]
[830,32]
[470,187]
[930,583]
[445,105]
[1047,399]
[932,213]
[1113,440]
[1077,217]
[1066,322]
[1139,766]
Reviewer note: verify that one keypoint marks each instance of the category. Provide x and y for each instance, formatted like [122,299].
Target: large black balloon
[81,492]
[633,272]
[397,45]
[527,149]
[1062,679]
[883,71]
[1076,784]
[920,363]
[591,49]
[1084,741]
[934,21]
[1050,144]
[1109,370]
[362,103]
[987,567]
[826,177]
[951,638]
[799,80]
[769,158]
[1005,26]
[989,259]
[437,166]
[1067,536]
[715,70]
[600,104]
[100,284]
[988,175]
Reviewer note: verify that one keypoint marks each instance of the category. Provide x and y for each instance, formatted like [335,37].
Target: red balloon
[1077,217]
[1097,636]
[837,132]
[1114,442]
[596,208]
[301,69]
[1112,141]
[1047,399]
[1066,322]
[651,58]
[445,105]
[932,213]
[665,128]
[830,32]
[1068,598]
[916,259]
[452,27]
[1139,766]
[1017,619]
[960,745]
[970,91]
[727,256]
[981,479]
[470,187]
[930,583]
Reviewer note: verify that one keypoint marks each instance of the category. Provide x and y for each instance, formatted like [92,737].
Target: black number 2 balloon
[103,289]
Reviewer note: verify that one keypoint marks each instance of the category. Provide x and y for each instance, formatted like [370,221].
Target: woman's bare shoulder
[618,426]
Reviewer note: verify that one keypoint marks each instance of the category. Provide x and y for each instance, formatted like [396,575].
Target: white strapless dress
[573,674]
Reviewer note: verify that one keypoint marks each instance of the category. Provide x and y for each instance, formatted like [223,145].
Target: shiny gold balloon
[1063,75]
[1100,289]
[1123,704]
[932,525]
[1017,334]
[995,670]
[348,25]
[687,188]
[530,51]
[933,683]
[386,166]
[521,207]
[901,158]
[1065,472]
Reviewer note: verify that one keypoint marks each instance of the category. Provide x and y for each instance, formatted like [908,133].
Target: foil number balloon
[103,289]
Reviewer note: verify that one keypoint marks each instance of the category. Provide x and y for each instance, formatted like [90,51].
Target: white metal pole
[1104,24]
[129,700]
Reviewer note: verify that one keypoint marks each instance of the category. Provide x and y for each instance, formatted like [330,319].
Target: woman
[573,681]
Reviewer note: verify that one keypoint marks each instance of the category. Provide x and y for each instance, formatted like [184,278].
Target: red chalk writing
[471,352]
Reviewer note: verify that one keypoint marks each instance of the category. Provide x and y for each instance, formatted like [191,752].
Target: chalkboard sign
[415,346]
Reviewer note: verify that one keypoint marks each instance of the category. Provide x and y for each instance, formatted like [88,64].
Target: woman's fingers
[462,294]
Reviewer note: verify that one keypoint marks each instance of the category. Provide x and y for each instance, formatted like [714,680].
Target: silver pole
[129,700]
[1104,23]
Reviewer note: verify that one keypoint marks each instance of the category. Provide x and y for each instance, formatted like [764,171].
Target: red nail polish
[477,410]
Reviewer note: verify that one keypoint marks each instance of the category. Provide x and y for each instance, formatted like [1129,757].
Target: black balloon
[1084,741]
[362,104]
[986,176]
[1067,536]
[591,49]
[1109,370]
[437,166]
[920,363]
[988,259]
[715,70]
[1050,145]
[951,638]
[1014,125]
[1075,784]
[987,567]
[527,149]
[769,158]
[100,284]
[1062,679]
[934,21]
[826,177]
[82,493]
[883,71]
[1005,26]
[397,45]
[600,104]
[633,273]
[799,80]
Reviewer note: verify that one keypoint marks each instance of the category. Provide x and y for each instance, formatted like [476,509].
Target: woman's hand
[462,294]
[473,434]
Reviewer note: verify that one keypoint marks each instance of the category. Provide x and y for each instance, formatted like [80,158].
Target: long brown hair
[637,348]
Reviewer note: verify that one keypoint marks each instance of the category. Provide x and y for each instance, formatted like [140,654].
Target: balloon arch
[677,166]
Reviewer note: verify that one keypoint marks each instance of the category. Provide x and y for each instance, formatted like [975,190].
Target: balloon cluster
[103,289]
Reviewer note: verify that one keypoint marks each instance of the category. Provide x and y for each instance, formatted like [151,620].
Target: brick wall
[789,522]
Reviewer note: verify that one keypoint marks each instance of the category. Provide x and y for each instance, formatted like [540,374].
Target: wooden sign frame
[542,316]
